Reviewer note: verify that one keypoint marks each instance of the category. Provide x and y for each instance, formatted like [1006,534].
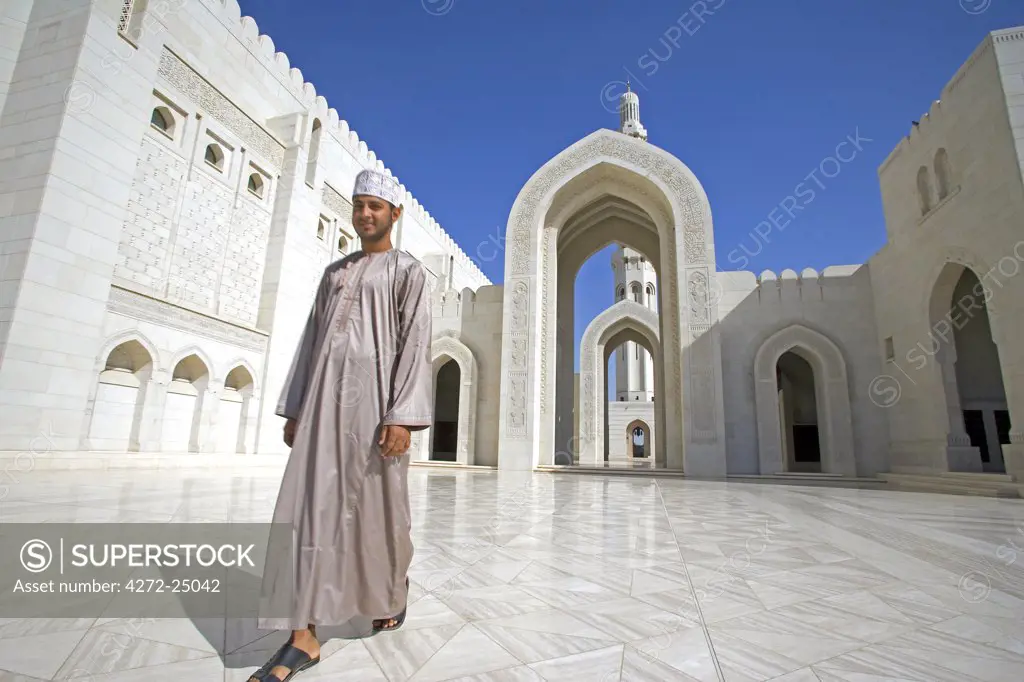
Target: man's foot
[393,623]
[302,651]
[386,624]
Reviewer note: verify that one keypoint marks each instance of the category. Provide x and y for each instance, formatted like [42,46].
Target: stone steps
[956,483]
[795,478]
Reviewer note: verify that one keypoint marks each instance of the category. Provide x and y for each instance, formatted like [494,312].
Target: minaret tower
[634,368]
[635,280]
[629,115]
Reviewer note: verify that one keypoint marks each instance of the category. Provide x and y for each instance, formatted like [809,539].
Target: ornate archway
[832,399]
[601,333]
[608,172]
[645,428]
[442,349]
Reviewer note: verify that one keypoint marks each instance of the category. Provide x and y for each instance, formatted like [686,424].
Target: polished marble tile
[528,578]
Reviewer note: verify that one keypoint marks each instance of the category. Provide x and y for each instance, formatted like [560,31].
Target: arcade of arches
[141,405]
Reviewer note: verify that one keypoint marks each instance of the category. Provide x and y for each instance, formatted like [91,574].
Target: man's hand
[289,432]
[394,440]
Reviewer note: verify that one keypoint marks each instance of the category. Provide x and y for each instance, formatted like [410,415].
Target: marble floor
[532,577]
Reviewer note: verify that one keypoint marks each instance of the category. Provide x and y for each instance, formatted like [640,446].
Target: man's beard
[380,234]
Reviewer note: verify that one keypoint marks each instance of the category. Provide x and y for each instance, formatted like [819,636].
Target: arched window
[636,291]
[163,120]
[924,190]
[620,294]
[215,156]
[650,296]
[314,153]
[942,173]
[321,229]
[256,185]
[342,245]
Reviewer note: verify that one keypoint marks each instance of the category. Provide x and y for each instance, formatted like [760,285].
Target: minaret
[629,115]
[635,280]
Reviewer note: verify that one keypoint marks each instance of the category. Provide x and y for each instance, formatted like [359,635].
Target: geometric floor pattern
[534,577]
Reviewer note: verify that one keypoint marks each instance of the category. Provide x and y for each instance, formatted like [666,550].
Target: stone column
[960,455]
[208,406]
[289,287]
[152,401]
[251,415]
[1013,453]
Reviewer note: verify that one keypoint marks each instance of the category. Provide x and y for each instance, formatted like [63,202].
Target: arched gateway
[624,320]
[610,187]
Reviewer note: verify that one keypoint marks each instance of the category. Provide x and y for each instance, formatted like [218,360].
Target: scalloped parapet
[931,118]
[247,31]
[745,280]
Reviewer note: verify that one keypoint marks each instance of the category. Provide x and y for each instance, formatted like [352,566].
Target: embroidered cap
[376,184]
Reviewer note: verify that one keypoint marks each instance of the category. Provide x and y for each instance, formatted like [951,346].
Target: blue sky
[465,99]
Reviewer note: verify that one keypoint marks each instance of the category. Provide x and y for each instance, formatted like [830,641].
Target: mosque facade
[174,188]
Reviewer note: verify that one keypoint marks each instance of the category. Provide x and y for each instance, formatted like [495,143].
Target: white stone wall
[838,304]
[13,19]
[620,416]
[979,121]
[475,317]
[98,197]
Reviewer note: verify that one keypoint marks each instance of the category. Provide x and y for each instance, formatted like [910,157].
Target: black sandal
[288,656]
[399,619]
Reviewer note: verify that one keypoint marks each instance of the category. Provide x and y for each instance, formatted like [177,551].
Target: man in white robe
[359,385]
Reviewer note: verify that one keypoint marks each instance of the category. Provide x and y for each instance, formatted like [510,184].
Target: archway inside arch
[607,248]
[120,397]
[962,346]
[639,442]
[444,434]
[798,413]
[623,416]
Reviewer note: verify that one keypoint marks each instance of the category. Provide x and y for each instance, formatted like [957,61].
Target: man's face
[373,217]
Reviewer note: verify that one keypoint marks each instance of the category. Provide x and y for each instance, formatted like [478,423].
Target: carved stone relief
[548,238]
[687,199]
[699,298]
[338,204]
[520,306]
[139,307]
[587,406]
[214,104]
[516,426]
[519,352]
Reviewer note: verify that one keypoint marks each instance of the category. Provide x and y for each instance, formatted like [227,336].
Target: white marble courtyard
[537,577]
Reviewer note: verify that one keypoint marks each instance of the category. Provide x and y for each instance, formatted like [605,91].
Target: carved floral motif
[699,298]
[338,204]
[214,104]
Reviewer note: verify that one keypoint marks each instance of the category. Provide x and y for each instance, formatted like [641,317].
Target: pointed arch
[442,349]
[622,317]
[648,437]
[118,339]
[832,398]
[237,410]
[119,396]
[199,353]
[242,362]
[609,174]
